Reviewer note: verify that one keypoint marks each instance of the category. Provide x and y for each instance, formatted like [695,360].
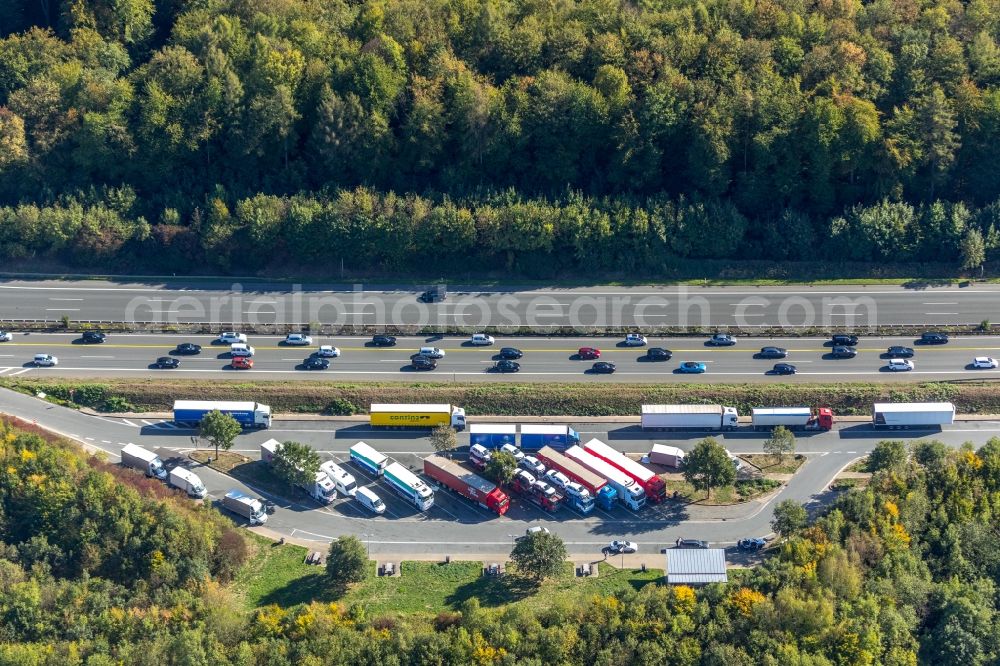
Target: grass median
[345,398]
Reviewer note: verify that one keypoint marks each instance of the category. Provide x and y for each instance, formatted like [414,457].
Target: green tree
[538,556]
[220,430]
[296,463]
[708,466]
[888,455]
[443,439]
[789,516]
[973,250]
[346,562]
[501,467]
[780,443]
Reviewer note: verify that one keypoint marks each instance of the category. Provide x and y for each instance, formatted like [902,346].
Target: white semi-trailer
[689,417]
[912,414]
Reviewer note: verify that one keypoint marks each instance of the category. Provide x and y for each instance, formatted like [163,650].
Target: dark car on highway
[659,354]
[783,369]
[511,353]
[187,348]
[423,363]
[899,352]
[167,362]
[773,352]
[383,340]
[931,338]
[93,337]
[844,352]
[506,365]
[844,340]
[315,363]
[603,367]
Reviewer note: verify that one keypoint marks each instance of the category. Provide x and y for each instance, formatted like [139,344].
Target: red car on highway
[588,353]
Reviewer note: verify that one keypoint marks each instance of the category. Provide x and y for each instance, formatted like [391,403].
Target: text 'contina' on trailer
[689,417]
[493,435]
[656,489]
[368,459]
[793,418]
[321,488]
[188,481]
[247,414]
[144,460]
[912,414]
[629,492]
[452,475]
[383,415]
[250,508]
[407,485]
[605,495]
[535,436]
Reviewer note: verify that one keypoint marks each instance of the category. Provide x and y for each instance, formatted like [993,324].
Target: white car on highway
[328,351]
[229,337]
[986,362]
[298,339]
[45,360]
[240,349]
[5,336]
[900,364]
[635,340]
[481,339]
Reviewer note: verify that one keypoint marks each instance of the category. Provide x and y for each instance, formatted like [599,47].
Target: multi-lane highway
[546,359]
[541,309]
[457,527]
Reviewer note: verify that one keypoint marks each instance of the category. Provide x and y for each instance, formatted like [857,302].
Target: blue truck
[534,437]
[492,435]
[247,414]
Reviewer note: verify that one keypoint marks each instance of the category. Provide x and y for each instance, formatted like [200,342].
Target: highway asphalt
[454,526]
[546,359]
[541,309]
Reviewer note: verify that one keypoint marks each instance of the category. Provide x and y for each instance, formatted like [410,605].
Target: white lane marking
[97,357]
[145,422]
[20,372]
[65,299]
[478,373]
[940,313]
[941,303]
[62,309]
[129,422]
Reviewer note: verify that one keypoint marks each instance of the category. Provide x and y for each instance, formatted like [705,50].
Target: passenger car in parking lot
[691,543]
[618,547]
[532,464]
[512,450]
[691,367]
[984,362]
[751,544]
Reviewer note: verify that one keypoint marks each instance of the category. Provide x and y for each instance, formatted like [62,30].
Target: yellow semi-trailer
[384,415]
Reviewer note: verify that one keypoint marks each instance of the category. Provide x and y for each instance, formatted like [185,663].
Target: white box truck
[322,489]
[188,481]
[912,414]
[630,493]
[671,456]
[143,460]
[689,417]
[250,508]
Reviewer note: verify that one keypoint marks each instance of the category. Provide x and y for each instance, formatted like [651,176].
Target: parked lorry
[912,414]
[689,417]
[629,492]
[188,481]
[247,414]
[249,507]
[539,493]
[320,489]
[368,459]
[793,418]
[407,485]
[604,495]
[534,437]
[452,475]
[670,456]
[416,416]
[143,460]
[656,489]
[492,435]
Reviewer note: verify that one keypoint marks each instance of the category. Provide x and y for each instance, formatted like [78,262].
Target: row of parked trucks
[722,417]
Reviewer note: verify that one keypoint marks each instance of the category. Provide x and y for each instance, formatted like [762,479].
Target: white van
[240,349]
[480,339]
[370,500]
[346,485]
[432,352]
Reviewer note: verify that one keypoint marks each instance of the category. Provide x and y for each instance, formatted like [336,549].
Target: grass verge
[859,465]
[741,491]
[277,575]
[769,464]
[345,398]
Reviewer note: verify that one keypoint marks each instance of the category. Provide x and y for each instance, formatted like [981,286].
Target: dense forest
[515,135]
[100,566]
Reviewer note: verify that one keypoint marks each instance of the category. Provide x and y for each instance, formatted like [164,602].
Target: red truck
[656,489]
[452,475]
[604,494]
[537,492]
